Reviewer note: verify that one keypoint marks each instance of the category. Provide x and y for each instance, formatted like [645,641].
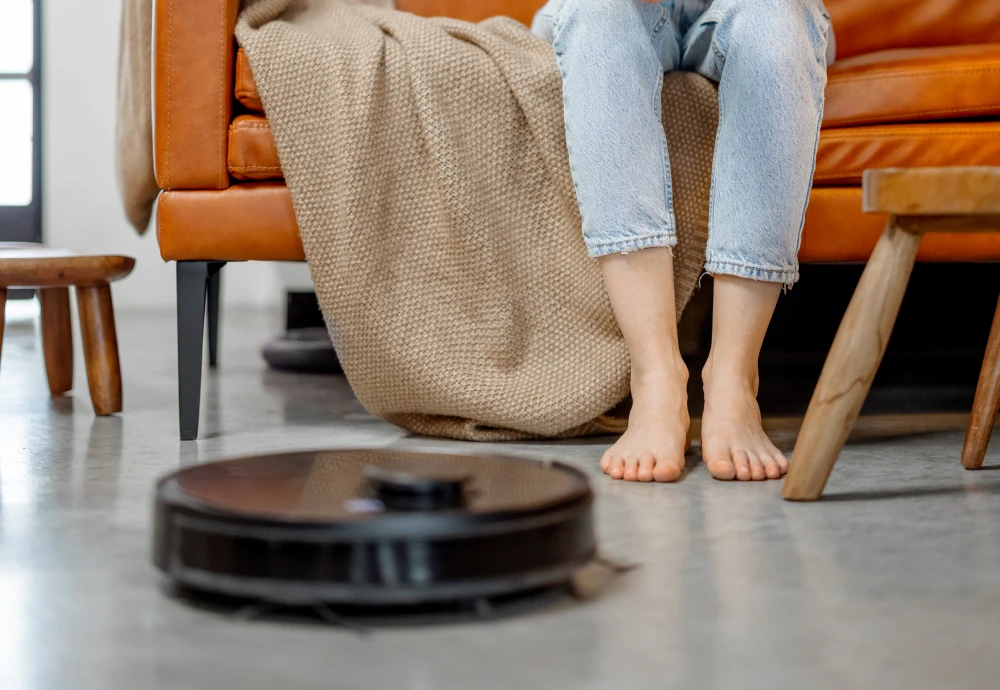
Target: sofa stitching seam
[877,118]
[835,79]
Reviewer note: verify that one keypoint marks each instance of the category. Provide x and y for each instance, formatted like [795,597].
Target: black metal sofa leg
[214,292]
[194,280]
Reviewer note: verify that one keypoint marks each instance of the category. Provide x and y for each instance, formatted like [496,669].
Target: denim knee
[774,33]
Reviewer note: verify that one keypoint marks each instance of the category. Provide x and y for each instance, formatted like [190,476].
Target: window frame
[24,223]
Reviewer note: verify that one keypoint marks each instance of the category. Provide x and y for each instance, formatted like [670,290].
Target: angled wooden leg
[57,338]
[100,347]
[851,365]
[984,410]
[3,305]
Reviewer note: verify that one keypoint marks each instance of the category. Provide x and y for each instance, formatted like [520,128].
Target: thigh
[660,25]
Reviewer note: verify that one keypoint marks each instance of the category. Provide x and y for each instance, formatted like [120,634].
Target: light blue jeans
[769,58]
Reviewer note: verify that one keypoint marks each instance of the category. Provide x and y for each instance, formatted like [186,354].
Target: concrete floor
[892,582]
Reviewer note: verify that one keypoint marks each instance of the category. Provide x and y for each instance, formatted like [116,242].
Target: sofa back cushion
[864,26]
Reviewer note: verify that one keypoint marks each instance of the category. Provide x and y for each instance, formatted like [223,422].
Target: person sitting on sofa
[769,58]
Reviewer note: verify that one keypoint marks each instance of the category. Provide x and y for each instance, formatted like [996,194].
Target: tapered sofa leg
[214,292]
[192,284]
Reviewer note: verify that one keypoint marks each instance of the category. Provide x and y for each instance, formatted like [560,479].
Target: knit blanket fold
[428,170]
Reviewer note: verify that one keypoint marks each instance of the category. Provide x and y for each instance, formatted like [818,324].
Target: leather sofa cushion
[907,85]
[844,154]
[254,221]
[865,26]
[912,85]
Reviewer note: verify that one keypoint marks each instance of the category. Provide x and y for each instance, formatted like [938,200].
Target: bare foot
[733,443]
[652,449]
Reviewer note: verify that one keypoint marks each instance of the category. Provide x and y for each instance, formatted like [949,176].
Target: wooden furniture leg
[851,365]
[57,338]
[100,347]
[984,410]
[3,306]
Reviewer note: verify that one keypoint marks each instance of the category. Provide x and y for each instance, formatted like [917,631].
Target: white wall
[82,210]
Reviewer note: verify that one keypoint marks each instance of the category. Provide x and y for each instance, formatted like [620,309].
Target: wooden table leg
[100,347]
[851,365]
[57,338]
[3,305]
[984,410]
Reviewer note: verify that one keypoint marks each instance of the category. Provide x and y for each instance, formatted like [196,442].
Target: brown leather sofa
[916,83]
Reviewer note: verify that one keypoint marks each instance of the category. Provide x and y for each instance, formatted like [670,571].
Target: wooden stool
[920,200]
[53,272]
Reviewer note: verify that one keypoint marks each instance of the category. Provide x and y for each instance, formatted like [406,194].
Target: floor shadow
[888,494]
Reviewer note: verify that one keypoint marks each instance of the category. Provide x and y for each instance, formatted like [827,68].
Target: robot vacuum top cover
[373,527]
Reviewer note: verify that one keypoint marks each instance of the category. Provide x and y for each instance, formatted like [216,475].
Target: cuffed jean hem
[631,244]
[787,276]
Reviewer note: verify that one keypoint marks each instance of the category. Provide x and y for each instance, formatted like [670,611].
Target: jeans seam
[667,238]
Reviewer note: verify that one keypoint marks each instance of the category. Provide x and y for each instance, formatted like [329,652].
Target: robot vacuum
[372,527]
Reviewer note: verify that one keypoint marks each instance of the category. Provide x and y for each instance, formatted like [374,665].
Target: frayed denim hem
[787,277]
[632,244]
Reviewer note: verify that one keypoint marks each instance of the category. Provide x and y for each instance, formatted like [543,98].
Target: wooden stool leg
[851,365]
[3,305]
[57,338]
[984,410]
[100,348]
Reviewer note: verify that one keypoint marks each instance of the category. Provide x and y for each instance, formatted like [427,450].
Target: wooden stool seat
[52,272]
[920,200]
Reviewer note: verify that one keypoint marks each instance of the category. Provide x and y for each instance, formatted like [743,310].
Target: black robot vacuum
[373,527]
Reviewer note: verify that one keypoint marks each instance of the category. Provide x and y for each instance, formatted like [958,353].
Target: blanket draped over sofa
[428,170]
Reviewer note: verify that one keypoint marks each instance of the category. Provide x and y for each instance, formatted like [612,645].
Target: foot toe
[771,468]
[646,463]
[616,467]
[741,461]
[757,472]
[720,464]
[782,463]
[666,471]
[631,473]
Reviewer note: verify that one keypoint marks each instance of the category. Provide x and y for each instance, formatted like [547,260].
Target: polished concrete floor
[892,582]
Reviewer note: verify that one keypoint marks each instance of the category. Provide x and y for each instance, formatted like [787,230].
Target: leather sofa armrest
[194,51]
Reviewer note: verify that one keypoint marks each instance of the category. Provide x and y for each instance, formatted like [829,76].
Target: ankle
[730,375]
[663,373]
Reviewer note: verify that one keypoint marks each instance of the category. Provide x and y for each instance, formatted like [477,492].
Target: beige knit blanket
[428,169]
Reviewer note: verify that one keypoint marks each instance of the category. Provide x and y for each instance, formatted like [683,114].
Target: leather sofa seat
[913,89]
[844,153]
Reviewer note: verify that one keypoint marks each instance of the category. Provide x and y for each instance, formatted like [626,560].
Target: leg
[851,365]
[733,443]
[984,410]
[612,55]
[100,348]
[214,293]
[771,90]
[192,283]
[57,338]
[641,287]
[769,59]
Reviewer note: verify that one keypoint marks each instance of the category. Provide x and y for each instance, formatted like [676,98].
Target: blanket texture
[428,169]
